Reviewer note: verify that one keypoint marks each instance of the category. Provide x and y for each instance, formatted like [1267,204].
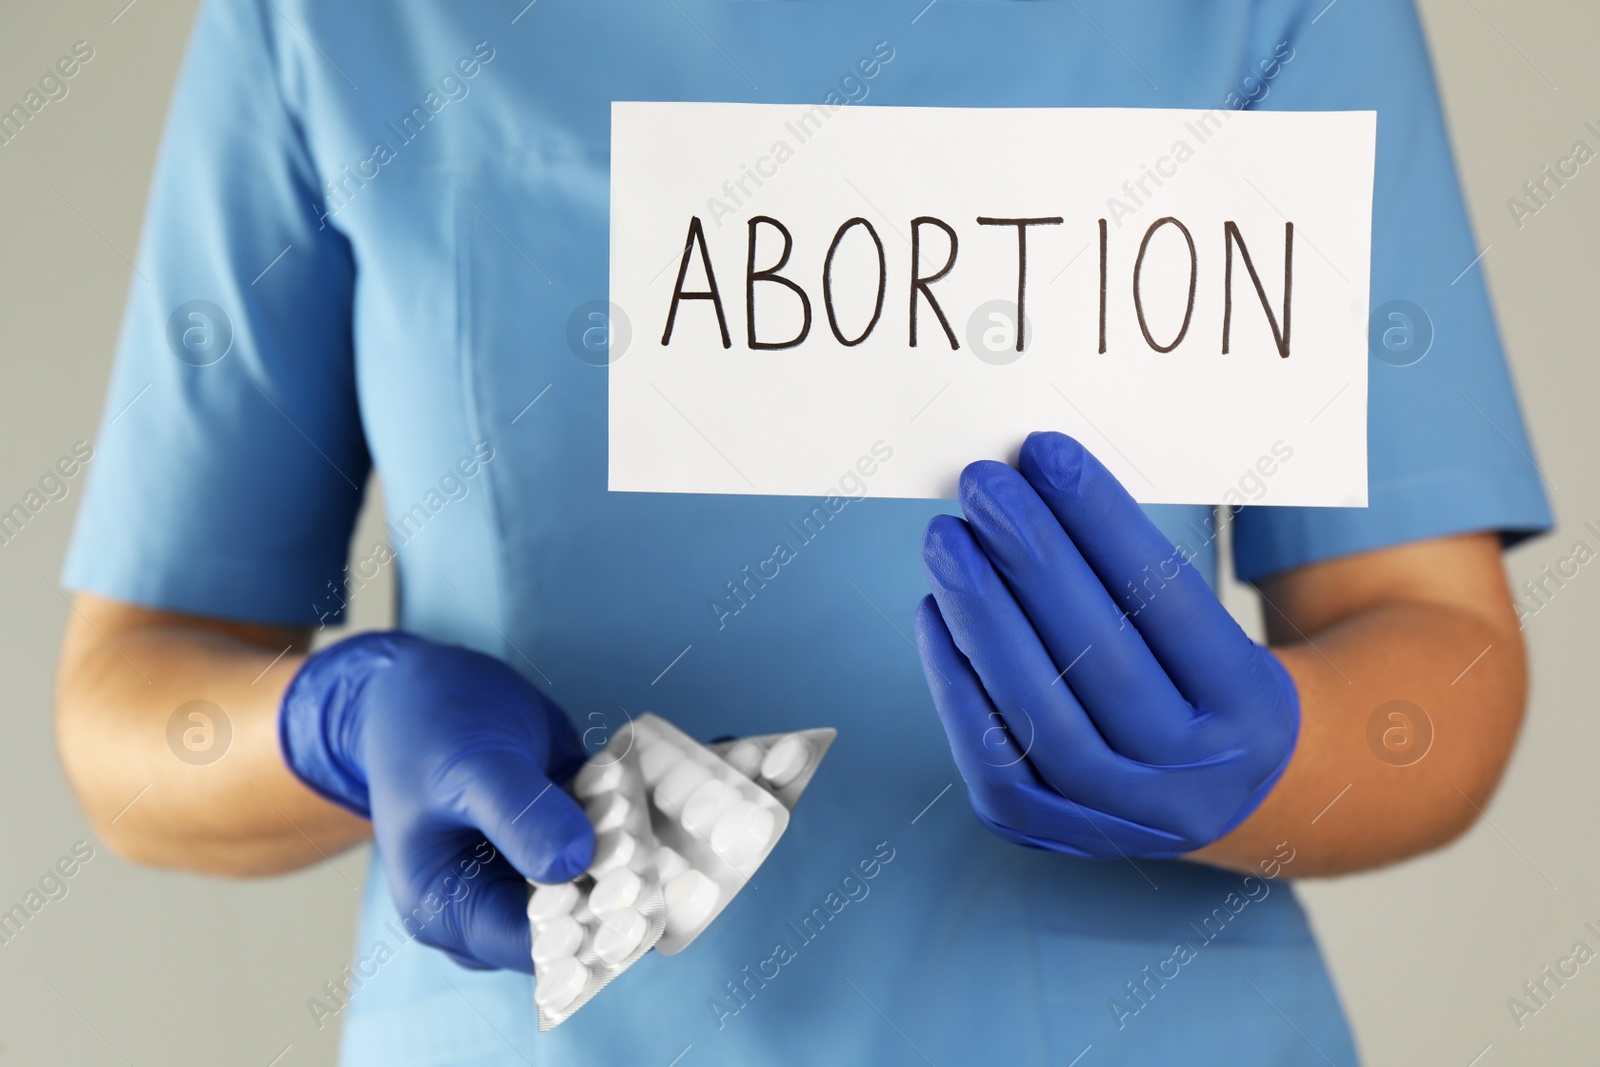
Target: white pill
[550,902]
[669,864]
[678,783]
[608,812]
[560,984]
[656,759]
[743,833]
[600,775]
[706,804]
[612,849]
[745,757]
[618,889]
[563,936]
[785,760]
[691,898]
[619,934]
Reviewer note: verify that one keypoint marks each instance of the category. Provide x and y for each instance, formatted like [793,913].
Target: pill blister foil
[816,742]
[622,751]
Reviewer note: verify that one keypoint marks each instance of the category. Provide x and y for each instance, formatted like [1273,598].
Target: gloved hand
[443,749]
[1099,699]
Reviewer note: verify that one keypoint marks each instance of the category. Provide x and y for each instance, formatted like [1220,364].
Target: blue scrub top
[397,208]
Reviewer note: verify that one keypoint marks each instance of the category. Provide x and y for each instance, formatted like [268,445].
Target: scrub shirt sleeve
[1447,452]
[230,463]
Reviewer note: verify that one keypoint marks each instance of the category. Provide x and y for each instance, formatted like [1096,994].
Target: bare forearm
[218,800]
[1357,796]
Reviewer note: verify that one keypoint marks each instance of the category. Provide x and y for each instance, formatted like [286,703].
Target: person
[370,230]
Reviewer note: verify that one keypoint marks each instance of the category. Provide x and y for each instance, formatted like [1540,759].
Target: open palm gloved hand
[1098,698]
[452,755]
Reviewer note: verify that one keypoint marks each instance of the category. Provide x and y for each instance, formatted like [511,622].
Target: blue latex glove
[1098,698]
[451,754]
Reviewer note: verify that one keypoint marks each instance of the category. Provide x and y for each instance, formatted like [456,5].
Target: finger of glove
[982,746]
[468,962]
[1106,662]
[1004,789]
[481,921]
[1061,825]
[1016,672]
[566,751]
[531,820]
[1201,647]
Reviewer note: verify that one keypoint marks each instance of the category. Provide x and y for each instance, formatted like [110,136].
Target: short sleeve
[1447,449]
[230,462]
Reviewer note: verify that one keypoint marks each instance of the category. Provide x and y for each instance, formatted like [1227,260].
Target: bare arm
[1356,632]
[1431,623]
[124,671]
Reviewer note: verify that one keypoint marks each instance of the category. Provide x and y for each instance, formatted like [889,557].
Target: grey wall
[133,965]
[1427,954]
[145,967]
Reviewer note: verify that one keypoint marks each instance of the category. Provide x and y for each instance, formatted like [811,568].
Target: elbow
[1486,732]
[108,816]
[1467,798]
[132,847]
[100,777]
[117,800]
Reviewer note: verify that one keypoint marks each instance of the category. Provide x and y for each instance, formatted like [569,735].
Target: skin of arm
[1430,622]
[124,671]
[1354,632]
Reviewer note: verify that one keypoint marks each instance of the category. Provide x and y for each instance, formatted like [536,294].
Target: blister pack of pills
[589,930]
[782,764]
[680,827]
[710,817]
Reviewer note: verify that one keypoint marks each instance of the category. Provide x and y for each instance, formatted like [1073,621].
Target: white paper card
[833,395]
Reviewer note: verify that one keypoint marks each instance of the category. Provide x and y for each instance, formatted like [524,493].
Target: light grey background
[147,967]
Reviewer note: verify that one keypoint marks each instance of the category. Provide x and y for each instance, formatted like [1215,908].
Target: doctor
[385,216]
